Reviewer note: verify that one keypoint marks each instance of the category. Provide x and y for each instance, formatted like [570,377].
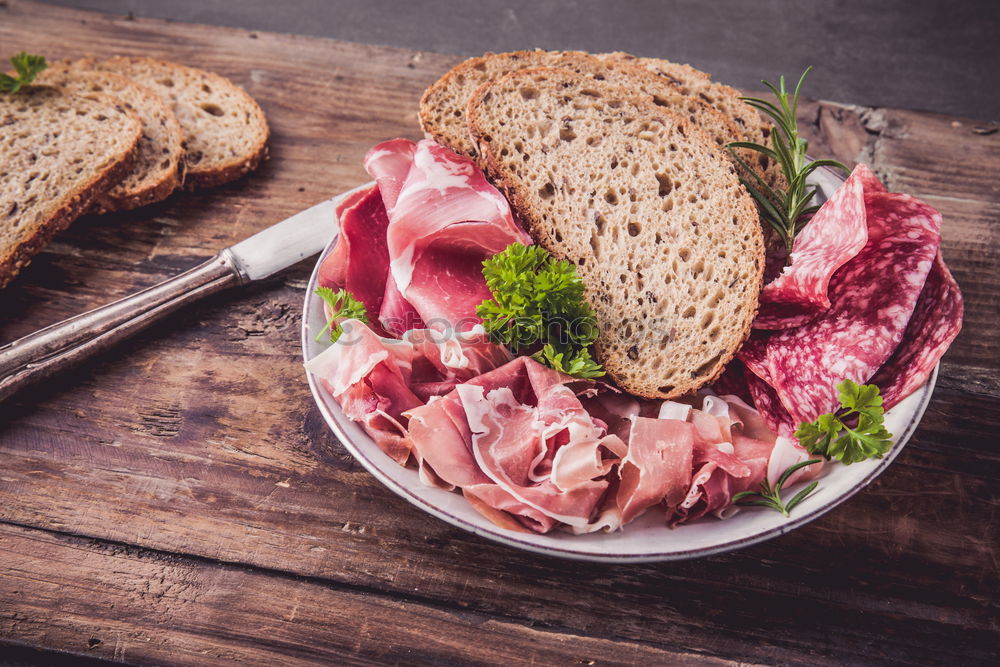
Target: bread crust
[500,176]
[196,176]
[19,255]
[156,184]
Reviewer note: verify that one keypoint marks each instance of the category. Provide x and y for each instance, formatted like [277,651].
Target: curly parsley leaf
[538,300]
[769,496]
[577,363]
[343,306]
[855,432]
[27,66]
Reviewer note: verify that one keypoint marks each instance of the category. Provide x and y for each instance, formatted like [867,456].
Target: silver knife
[56,347]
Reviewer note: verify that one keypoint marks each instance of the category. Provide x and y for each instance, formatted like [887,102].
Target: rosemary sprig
[787,212]
[771,497]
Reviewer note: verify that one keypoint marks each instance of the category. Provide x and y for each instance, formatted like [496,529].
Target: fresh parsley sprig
[832,436]
[538,302]
[343,305]
[787,212]
[27,67]
[771,497]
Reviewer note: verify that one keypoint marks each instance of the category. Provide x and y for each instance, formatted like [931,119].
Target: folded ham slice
[377,379]
[731,452]
[369,377]
[518,440]
[359,262]
[445,218]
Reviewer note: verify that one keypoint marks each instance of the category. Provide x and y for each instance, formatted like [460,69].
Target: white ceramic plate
[647,538]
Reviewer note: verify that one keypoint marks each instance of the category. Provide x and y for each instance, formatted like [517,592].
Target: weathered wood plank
[199,437]
[138,606]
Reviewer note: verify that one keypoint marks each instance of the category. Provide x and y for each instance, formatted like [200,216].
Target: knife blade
[291,240]
[61,345]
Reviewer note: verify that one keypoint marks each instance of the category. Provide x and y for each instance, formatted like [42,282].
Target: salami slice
[766,400]
[733,382]
[872,299]
[936,321]
[836,233]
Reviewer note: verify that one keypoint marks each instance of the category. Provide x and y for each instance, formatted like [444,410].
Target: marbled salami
[936,321]
[835,235]
[872,298]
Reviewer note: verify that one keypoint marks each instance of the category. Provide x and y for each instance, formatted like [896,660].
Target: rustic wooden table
[182,501]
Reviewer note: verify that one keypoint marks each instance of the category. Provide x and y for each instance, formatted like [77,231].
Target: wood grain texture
[173,499]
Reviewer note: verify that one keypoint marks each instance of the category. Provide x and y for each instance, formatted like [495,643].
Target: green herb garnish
[538,301]
[830,435]
[27,67]
[787,212]
[771,497]
[343,305]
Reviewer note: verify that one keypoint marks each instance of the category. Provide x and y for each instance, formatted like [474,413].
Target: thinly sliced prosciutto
[359,262]
[657,468]
[445,218]
[377,379]
[522,430]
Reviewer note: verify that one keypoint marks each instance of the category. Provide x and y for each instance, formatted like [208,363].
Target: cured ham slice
[444,219]
[376,379]
[726,457]
[836,233]
[369,379]
[359,262]
[936,321]
[518,440]
[872,299]
[658,465]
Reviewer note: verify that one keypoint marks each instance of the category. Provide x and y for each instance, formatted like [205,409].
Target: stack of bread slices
[114,135]
[618,164]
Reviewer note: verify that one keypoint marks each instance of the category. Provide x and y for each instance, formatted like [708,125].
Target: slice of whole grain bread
[442,109]
[651,212]
[59,151]
[157,168]
[751,125]
[225,131]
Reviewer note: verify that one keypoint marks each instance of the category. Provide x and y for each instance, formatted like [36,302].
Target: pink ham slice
[723,468]
[444,219]
[359,262]
[936,321]
[872,299]
[369,379]
[836,233]
[376,380]
[657,467]
[518,440]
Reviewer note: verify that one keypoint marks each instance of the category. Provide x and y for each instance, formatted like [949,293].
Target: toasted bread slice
[156,170]
[442,109]
[225,131]
[59,151]
[652,213]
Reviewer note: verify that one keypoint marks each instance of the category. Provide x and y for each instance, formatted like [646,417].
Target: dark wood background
[930,55]
[181,500]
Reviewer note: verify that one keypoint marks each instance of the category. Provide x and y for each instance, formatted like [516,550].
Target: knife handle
[61,345]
